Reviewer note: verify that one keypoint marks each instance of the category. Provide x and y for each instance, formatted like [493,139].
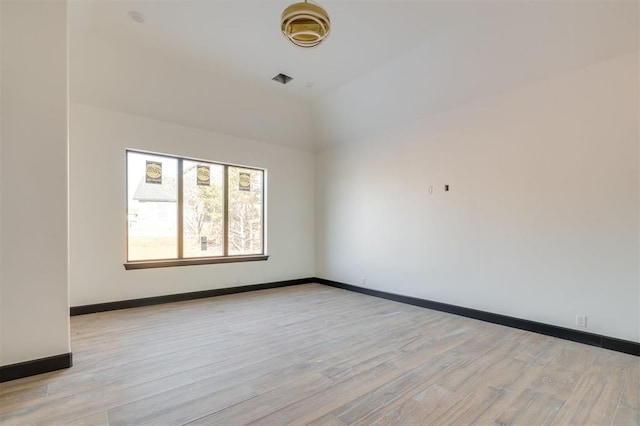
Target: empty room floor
[313,354]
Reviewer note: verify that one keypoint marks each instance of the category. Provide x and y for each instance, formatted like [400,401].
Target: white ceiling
[209,64]
[242,38]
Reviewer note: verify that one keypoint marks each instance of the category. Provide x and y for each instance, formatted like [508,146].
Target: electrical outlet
[581,321]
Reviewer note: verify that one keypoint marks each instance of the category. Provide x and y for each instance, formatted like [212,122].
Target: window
[190,212]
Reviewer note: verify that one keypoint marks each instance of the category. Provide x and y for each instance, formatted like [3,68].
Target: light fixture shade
[305,24]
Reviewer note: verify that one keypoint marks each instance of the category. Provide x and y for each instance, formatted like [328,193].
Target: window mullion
[180,211]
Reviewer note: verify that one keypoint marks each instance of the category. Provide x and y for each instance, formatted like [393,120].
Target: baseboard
[36,366]
[180,297]
[598,340]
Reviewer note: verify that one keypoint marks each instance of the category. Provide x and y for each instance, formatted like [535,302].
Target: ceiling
[241,39]
[208,64]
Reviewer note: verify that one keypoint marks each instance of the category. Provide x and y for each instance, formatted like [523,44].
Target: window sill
[148,264]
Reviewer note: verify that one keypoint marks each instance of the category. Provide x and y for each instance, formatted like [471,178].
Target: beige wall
[34,263]
[99,138]
[541,222]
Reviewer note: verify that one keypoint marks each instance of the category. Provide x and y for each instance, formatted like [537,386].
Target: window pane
[203,209]
[152,206]
[245,211]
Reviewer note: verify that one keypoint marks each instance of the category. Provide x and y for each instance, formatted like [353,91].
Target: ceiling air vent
[282,78]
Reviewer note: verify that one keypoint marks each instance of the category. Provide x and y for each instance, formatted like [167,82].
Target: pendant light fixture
[305,24]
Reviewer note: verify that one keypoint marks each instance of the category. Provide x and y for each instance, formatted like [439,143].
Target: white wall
[122,76]
[541,221]
[98,141]
[34,262]
[495,47]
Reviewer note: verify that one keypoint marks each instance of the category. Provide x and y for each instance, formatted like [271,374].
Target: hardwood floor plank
[268,400]
[181,406]
[565,370]
[631,394]
[359,392]
[55,409]
[469,409]
[327,420]
[531,408]
[626,417]
[323,402]
[99,419]
[19,395]
[602,383]
[28,384]
[370,406]
[422,409]
[485,367]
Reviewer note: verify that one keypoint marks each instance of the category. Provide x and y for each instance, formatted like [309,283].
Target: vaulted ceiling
[209,64]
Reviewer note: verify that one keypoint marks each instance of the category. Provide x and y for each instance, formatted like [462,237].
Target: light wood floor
[317,355]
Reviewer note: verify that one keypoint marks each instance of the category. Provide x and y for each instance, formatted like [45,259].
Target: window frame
[180,260]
